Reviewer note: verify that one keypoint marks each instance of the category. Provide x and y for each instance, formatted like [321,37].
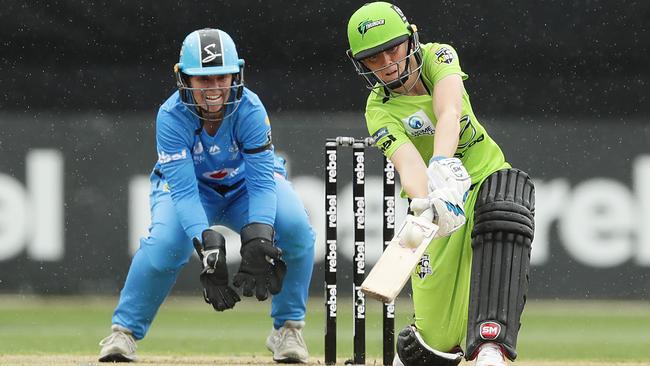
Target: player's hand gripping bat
[394,267]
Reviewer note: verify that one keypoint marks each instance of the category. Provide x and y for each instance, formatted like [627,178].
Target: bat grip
[429,214]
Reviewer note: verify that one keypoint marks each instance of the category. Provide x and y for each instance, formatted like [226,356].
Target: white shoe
[287,343]
[118,347]
[490,354]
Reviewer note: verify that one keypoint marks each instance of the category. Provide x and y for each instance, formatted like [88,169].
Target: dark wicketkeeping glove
[214,276]
[262,268]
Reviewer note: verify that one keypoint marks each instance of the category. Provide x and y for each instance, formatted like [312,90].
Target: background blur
[562,86]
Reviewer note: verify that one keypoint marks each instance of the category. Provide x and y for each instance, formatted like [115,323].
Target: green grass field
[560,331]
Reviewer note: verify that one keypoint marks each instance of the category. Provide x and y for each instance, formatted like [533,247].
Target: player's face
[211,92]
[389,64]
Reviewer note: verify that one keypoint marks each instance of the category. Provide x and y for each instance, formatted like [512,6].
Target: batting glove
[448,173]
[446,209]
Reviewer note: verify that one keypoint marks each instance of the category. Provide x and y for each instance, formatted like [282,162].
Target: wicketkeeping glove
[262,268]
[214,276]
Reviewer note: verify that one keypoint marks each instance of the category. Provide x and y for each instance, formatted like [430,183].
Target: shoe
[118,347]
[287,343]
[490,354]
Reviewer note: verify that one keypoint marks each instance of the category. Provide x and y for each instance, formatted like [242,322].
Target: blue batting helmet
[209,52]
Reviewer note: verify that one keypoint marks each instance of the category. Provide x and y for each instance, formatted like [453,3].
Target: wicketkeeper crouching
[216,166]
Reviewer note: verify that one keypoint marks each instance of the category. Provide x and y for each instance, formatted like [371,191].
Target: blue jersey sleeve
[254,136]
[174,144]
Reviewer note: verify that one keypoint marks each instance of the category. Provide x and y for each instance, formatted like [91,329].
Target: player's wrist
[437,158]
[256,230]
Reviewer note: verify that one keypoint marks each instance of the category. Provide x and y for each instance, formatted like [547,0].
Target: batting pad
[501,243]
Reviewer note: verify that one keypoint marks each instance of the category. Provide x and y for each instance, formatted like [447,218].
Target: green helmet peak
[376,27]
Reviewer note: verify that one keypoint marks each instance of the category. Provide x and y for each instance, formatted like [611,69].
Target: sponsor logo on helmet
[399,12]
[368,24]
[444,55]
[210,51]
[211,48]
[489,330]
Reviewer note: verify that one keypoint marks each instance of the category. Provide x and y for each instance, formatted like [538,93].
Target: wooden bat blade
[393,269]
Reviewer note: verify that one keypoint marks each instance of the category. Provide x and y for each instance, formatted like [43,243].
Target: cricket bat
[394,267]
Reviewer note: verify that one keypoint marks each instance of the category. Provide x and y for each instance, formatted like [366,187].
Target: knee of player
[169,257]
[506,204]
[298,231]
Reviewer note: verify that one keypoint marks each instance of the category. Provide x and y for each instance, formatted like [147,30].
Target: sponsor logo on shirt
[388,138]
[214,150]
[379,134]
[164,157]
[198,148]
[233,150]
[444,55]
[467,137]
[418,124]
[221,173]
[423,268]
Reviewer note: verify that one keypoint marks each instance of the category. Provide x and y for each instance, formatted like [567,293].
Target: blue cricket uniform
[232,179]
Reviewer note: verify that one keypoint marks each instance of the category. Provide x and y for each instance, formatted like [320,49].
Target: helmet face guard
[375,28]
[228,107]
[209,52]
[371,77]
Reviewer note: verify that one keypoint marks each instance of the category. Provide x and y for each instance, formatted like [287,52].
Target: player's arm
[254,138]
[177,168]
[411,169]
[447,106]
[262,269]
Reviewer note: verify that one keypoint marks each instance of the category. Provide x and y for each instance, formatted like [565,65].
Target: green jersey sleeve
[441,60]
[387,132]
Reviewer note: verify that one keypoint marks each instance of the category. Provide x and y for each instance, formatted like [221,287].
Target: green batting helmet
[376,27]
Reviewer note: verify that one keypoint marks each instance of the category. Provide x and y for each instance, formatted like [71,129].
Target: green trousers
[441,284]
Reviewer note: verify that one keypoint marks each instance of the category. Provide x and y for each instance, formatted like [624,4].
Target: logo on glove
[457,210]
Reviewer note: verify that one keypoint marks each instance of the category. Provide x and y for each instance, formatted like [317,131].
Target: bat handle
[429,214]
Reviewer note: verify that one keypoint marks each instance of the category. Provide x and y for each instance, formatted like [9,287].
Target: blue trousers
[167,249]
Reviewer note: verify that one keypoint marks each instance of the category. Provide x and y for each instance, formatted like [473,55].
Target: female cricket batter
[472,281]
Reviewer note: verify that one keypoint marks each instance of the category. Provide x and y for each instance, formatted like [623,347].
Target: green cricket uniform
[441,280]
